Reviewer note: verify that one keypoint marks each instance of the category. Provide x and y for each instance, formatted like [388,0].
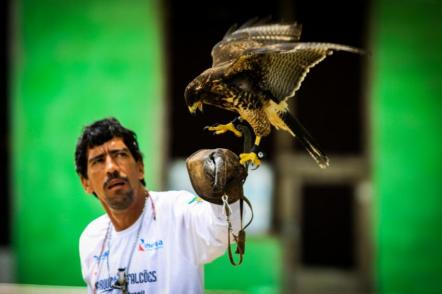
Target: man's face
[113,174]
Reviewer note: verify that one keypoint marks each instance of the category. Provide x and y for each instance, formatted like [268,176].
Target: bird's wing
[250,37]
[283,67]
[270,33]
[231,50]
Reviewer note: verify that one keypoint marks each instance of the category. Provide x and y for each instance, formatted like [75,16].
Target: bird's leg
[254,155]
[231,126]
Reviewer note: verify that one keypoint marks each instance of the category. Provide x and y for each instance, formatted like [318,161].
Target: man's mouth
[114,183]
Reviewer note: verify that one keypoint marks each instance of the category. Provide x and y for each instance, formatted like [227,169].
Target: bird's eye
[243,84]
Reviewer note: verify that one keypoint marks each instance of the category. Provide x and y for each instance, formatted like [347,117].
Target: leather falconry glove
[216,172]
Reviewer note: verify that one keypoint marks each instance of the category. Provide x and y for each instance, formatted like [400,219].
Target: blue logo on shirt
[144,245]
[101,257]
[195,200]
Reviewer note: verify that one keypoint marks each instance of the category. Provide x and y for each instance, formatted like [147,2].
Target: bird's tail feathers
[305,139]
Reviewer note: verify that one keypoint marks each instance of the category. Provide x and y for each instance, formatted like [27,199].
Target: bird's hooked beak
[192,94]
[196,106]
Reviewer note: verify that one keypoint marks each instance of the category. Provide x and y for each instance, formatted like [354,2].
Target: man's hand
[216,172]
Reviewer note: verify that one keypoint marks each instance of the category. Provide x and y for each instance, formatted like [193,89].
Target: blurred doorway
[324,215]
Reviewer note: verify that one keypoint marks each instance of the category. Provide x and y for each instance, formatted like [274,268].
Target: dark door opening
[327,222]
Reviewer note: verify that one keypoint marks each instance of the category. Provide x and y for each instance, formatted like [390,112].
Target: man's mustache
[113,176]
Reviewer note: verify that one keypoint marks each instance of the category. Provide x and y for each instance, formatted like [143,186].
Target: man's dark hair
[99,133]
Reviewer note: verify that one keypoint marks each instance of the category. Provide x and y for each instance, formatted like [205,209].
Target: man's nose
[111,165]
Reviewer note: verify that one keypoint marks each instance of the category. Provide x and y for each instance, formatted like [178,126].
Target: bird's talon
[207,128]
[221,129]
[249,158]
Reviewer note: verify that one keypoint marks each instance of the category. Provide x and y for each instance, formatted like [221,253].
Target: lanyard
[121,283]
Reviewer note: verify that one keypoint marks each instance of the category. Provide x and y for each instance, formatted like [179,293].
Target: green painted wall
[75,62]
[407,145]
[260,271]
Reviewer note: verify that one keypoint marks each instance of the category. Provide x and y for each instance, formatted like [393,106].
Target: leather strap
[240,239]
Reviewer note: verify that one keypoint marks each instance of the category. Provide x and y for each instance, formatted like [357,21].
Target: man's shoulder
[91,236]
[95,228]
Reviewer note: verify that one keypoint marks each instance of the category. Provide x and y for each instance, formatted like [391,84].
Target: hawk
[256,69]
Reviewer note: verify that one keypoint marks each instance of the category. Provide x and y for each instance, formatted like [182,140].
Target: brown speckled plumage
[255,69]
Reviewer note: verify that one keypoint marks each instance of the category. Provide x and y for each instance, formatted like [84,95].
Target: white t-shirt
[178,233]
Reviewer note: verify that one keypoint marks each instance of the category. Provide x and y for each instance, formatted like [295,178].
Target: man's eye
[97,161]
[122,154]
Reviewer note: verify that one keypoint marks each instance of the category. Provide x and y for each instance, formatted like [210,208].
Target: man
[147,242]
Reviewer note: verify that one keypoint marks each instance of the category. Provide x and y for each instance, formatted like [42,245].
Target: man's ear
[86,185]
[140,166]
